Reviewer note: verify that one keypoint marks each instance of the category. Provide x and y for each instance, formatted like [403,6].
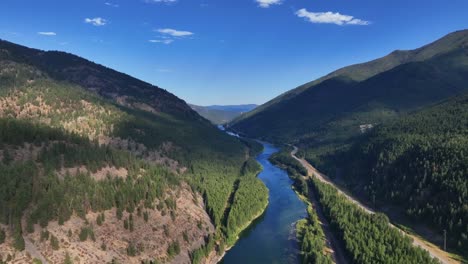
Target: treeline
[255,148]
[312,241]
[283,159]
[367,238]
[233,197]
[17,132]
[216,189]
[23,183]
[293,167]
[250,199]
[419,163]
[202,252]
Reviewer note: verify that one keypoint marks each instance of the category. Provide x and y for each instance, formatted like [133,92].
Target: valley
[104,160]
[394,137]
[222,114]
[271,237]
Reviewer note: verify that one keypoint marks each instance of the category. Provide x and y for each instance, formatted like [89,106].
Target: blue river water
[271,238]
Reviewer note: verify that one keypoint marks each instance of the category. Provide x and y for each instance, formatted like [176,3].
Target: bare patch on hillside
[102,174]
[141,151]
[81,117]
[151,238]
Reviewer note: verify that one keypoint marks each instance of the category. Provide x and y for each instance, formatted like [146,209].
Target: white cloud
[161,1]
[111,4]
[168,35]
[268,3]
[174,33]
[47,33]
[97,21]
[330,18]
[163,41]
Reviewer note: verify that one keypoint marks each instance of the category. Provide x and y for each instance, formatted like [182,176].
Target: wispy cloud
[97,21]
[330,18]
[161,1]
[174,33]
[268,3]
[169,35]
[111,4]
[163,41]
[47,33]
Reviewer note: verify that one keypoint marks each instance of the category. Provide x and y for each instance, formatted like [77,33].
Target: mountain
[97,166]
[363,71]
[221,114]
[385,130]
[330,111]
[418,163]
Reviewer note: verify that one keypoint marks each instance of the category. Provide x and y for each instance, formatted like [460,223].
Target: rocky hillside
[98,167]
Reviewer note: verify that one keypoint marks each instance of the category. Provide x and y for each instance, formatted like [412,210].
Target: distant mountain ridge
[221,114]
[234,108]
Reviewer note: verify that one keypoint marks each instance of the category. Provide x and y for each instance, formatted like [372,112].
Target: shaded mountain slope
[336,107]
[362,71]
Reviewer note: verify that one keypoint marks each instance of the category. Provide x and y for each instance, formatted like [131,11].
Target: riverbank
[214,257]
[270,239]
[331,249]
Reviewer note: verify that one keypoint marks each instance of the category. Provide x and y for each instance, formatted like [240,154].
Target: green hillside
[417,162]
[59,112]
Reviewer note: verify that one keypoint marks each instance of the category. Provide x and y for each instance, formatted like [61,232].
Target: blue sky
[229,51]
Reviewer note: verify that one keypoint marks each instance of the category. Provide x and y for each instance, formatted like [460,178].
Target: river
[271,238]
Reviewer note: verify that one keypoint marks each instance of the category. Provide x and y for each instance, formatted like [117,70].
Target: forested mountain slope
[418,162]
[331,113]
[336,107]
[98,166]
